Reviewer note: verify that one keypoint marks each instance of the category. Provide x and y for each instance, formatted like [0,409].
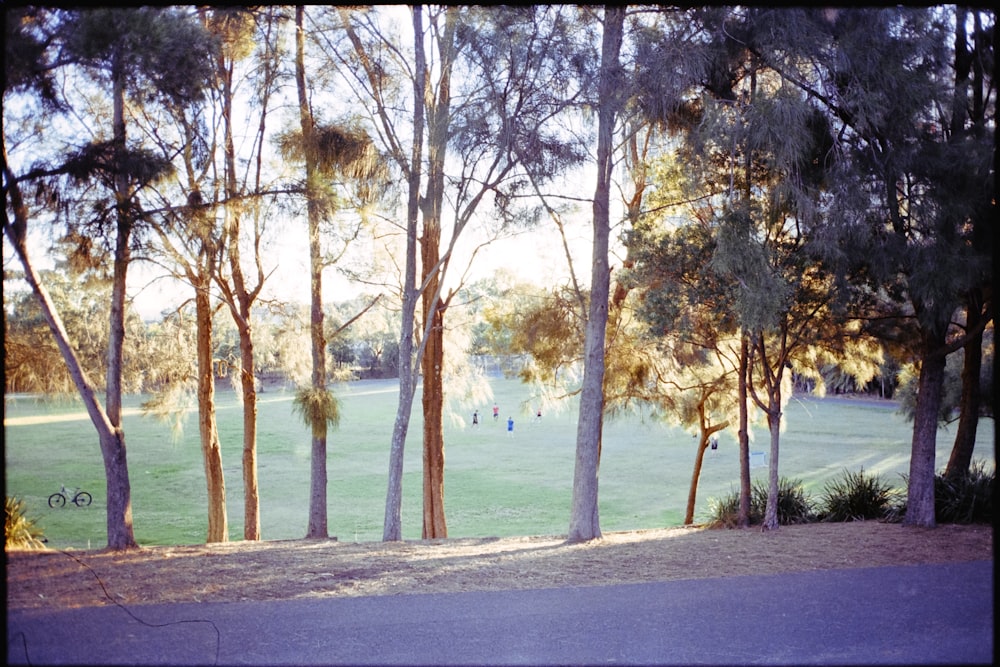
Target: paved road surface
[928,614]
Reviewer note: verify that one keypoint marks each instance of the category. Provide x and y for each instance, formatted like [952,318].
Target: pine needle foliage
[20,532]
[317,406]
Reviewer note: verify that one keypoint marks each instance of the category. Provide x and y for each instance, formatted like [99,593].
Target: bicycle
[77,496]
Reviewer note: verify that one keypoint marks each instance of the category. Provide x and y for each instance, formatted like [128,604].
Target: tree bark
[318,476]
[438,121]
[585,517]
[241,304]
[968,420]
[705,434]
[111,438]
[218,522]
[743,517]
[771,521]
[392,526]
[920,488]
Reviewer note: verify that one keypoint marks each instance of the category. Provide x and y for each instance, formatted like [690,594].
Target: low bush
[794,505]
[966,498]
[20,532]
[857,497]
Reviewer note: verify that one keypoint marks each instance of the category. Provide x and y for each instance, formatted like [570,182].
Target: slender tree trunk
[119,494]
[434,524]
[743,518]
[699,458]
[318,476]
[111,438]
[968,420]
[218,523]
[438,121]
[920,489]
[705,435]
[585,517]
[392,527]
[774,428]
[241,304]
[251,494]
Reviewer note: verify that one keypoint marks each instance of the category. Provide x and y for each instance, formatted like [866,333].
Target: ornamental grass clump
[20,532]
[966,498]
[857,497]
[794,505]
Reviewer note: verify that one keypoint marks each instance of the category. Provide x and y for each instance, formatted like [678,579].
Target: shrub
[794,505]
[856,497]
[20,532]
[967,498]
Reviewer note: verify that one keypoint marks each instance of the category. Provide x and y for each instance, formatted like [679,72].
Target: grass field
[495,484]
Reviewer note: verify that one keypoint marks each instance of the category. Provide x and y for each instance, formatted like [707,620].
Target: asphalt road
[927,614]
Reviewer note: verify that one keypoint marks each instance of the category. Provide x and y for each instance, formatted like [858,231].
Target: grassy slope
[495,484]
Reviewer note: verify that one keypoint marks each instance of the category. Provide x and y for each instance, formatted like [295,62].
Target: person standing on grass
[475,418]
[510,427]
[496,412]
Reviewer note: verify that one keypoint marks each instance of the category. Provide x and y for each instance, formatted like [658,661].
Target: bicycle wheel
[82,499]
[57,500]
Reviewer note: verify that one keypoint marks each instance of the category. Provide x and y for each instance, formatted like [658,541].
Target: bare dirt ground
[323,568]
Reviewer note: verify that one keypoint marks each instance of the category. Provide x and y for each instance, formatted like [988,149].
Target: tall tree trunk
[241,304]
[248,384]
[438,121]
[432,398]
[920,489]
[968,420]
[743,517]
[318,477]
[434,525]
[111,438]
[218,522]
[113,443]
[392,526]
[585,518]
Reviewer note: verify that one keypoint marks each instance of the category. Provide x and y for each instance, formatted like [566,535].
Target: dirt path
[303,569]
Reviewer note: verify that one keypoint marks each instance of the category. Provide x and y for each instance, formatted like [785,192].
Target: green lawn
[495,484]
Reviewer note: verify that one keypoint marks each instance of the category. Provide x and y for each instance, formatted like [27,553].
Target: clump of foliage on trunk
[316,406]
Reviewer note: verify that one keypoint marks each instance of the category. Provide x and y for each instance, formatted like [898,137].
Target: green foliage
[317,406]
[967,498]
[794,505]
[856,497]
[19,531]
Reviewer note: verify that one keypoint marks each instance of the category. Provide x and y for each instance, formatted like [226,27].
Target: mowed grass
[495,484]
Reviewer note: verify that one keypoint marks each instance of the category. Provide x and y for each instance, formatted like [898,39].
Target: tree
[584,516]
[328,152]
[483,133]
[154,54]
[969,121]
[910,206]
[241,285]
